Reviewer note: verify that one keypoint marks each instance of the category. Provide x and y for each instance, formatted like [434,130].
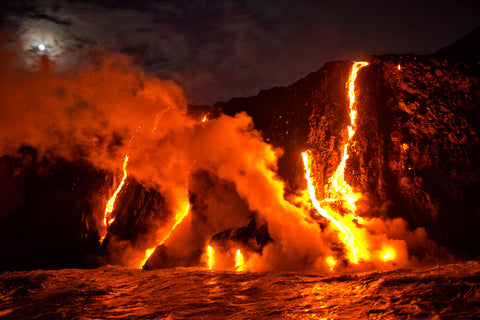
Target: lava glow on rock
[176,221]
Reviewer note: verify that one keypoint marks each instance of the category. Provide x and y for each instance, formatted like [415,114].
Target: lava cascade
[358,237]
[108,219]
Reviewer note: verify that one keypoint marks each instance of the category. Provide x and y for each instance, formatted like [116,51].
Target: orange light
[351,91]
[331,262]
[210,253]
[399,67]
[205,118]
[337,189]
[347,234]
[107,220]
[388,254]
[238,260]
[148,254]
[177,219]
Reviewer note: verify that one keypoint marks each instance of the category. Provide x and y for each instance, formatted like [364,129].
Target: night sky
[217,50]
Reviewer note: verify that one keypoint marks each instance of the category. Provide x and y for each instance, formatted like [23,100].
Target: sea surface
[442,292]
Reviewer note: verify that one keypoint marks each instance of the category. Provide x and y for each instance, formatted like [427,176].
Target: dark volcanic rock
[417,145]
[48,211]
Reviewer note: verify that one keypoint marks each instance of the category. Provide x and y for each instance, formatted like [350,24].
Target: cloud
[217,50]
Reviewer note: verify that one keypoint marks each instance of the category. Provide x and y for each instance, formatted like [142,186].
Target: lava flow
[331,262]
[210,257]
[239,260]
[338,190]
[107,218]
[177,219]
[348,238]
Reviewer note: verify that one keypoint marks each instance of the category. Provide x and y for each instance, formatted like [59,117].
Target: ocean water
[442,292]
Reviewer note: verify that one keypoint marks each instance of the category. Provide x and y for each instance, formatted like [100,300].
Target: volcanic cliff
[416,150]
[415,155]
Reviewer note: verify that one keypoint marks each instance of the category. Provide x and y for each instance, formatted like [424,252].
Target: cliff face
[417,145]
[415,153]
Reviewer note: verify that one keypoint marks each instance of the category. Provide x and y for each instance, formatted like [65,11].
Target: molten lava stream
[337,188]
[107,219]
[339,191]
[210,253]
[331,262]
[176,221]
[239,262]
[109,208]
[347,233]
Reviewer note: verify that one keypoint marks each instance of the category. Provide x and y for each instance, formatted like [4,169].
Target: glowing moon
[41,47]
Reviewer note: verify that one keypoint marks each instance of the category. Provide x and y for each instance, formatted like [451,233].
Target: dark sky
[219,49]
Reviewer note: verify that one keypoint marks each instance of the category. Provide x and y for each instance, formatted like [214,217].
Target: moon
[41,47]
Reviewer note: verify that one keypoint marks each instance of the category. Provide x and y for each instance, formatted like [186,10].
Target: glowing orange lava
[210,253]
[107,220]
[331,262]
[388,254]
[205,118]
[176,221]
[347,233]
[338,190]
[239,260]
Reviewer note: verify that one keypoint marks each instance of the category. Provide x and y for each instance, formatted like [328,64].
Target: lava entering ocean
[354,229]
[210,187]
